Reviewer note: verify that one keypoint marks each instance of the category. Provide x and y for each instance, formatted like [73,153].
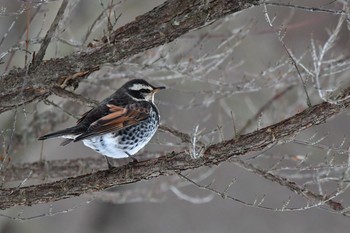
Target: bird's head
[140,90]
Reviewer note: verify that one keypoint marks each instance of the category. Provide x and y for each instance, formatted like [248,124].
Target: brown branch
[74,97]
[46,41]
[53,169]
[161,25]
[262,109]
[171,162]
[182,136]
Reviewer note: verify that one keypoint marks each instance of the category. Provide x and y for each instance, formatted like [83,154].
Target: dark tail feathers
[68,131]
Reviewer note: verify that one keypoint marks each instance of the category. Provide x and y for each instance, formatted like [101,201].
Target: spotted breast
[128,141]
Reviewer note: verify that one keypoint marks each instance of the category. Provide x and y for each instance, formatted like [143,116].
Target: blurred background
[218,77]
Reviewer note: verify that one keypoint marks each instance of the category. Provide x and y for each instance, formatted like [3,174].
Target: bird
[120,125]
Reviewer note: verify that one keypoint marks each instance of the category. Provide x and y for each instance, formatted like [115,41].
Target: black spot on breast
[102,142]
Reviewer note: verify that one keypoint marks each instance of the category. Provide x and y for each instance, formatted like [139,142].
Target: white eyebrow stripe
[137,87]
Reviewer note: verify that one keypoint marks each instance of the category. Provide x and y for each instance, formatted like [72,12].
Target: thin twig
[314,197]
[263,108]
[306,8]
[74,97]
[46,41]
[182,136]
[27,32]
[280,38]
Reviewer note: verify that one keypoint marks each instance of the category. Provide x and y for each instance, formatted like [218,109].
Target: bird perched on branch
[120,125]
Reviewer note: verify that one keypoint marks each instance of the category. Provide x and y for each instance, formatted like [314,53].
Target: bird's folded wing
[117,119]
[83,116]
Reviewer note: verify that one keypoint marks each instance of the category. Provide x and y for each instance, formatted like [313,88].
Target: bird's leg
[134,160]
[110,165]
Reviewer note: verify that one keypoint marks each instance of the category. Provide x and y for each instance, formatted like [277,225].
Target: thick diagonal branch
[161,25]
[171,162]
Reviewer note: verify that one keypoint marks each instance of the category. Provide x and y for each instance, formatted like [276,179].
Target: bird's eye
[145,91]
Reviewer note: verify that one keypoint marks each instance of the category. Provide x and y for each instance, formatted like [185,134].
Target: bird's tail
[69,133]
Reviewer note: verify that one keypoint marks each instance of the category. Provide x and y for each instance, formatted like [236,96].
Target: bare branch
[161,25]
[41,53]
[306,8]
[315,198]
[171,162]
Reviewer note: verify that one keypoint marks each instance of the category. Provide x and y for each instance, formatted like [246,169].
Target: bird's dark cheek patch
[136,94]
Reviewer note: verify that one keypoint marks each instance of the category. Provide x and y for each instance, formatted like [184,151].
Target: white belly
[110,147]
[110,151]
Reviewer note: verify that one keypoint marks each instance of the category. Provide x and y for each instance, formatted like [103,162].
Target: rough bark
[169,163]
[161,25]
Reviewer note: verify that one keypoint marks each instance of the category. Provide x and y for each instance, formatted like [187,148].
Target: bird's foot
[134,160]
[109,164]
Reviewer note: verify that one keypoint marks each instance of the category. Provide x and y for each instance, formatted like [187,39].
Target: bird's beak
[156,89]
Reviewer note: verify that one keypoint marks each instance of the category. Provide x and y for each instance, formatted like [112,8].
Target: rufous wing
[117,119]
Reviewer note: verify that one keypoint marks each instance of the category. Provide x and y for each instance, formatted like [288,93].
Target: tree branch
[46,41]
[170,162]
[161,25]
[292,186]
